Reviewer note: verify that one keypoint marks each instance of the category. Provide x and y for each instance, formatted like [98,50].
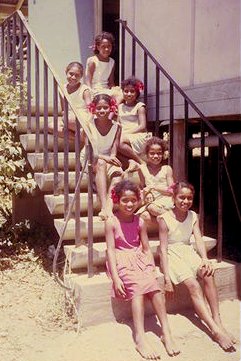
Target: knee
[194,287]
[101,164]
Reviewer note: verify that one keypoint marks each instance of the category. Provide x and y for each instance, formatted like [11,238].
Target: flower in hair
[93,47]
[139,86]
[115,198]
[91,107]
[113,105]
[170,188]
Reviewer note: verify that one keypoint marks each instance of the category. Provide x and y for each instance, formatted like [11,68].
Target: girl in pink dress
[131,266]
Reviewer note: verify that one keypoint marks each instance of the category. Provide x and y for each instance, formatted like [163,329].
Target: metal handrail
[57,88]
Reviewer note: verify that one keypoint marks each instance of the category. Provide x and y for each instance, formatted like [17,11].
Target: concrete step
[36,161]
[55,204]
[95,305]
[98,228]
[45,181]
[78,256]
[28,142]
[22,123]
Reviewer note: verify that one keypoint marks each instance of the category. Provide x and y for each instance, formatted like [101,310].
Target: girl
[106,135]
[100,67]
[181,264]
[156,179]
[79,94]
[132,116]
[131,266]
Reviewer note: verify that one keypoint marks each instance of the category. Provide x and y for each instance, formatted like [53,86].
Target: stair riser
[28,142]
[55,204]
[37,162]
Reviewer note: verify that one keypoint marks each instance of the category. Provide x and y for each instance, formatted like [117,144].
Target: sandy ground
[34,326]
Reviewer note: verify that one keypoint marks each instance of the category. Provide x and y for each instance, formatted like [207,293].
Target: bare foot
[224,341]
[220,325]
[170,345]
[146,351]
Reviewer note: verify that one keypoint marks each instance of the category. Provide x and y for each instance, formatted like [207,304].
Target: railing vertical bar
[37,99]
[14,44]
[186,119]
[145,79]
[90,211]
[21,58]
[171,125]
[133,57]
[46,111]
[157,120]
[29,95]
[2,44]
[123,45]
[220,202]
[77,174]
[8,43]
[201,180]
[66,158]
[55,136]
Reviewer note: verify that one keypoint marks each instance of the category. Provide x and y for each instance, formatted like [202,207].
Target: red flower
[113,105]
[91,107]
[139,86]
[115,198]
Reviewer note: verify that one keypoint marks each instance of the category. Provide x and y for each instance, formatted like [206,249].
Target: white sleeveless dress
[128,117]
[183,260]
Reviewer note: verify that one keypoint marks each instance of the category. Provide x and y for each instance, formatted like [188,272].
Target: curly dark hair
[126,185]
[133,82]
[156,140]
[103,96]
[182,184]
[102,36]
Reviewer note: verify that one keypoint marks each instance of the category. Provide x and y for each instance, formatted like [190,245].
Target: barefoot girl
[100,68]
[106,135]
[182,264]
[132,116]
[156,180]
[79,94]
[131,266]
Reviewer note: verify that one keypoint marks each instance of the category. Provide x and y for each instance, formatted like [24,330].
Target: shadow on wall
[85,25]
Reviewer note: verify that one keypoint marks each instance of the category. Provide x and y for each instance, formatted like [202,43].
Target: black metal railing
[21,51]
[145,66]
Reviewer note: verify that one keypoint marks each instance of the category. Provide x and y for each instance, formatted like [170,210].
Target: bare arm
[163,235]
[145,241]
[90,73]
[111,257]
[87,97]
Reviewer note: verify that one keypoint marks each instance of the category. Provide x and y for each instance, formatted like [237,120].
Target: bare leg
[159,305]
[201,308]
[155,210]
[211,294]
[126,150]
[142,345]
[101,174]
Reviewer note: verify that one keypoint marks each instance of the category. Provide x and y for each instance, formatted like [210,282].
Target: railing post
[14,43]
[220,202]
[145,79]
[201,179]
[186,118]
[90,211]
[133,57]
[77,175]
[171,125]
[123,45]
[46,114]
[157,121]
[55,136]
[66,158]
[37,99]
[28,83]
[2,45]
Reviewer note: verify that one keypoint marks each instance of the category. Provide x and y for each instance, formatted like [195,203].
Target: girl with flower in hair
[131,266]
[100,67]
[132,116]
[106,136]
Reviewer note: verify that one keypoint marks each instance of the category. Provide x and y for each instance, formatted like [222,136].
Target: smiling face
[102,109]
[104,49]
[128,202]
[183,200]
[73,75]
[129,94]
[154,154]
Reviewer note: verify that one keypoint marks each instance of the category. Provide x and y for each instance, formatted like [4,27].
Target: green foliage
[12,162]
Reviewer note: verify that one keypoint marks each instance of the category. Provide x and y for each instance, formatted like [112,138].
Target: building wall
[64,28]
[197,41]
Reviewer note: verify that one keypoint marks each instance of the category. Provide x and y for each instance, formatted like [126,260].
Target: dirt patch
[34,325]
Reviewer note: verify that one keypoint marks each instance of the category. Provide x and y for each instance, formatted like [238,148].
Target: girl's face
[102,109]
[104,48]
[155,154]
[73,75]
[129,94]
[128,202]
[183,200]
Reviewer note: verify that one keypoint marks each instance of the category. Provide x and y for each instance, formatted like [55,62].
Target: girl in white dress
[79,94]
[132,116]
[100,67]
[106,135]
[181,264]
[156,180]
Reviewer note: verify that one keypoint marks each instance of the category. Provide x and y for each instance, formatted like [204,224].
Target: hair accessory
[113,105]
[92,47]
[139,86]
[170,188]
[115,198]
[91,107]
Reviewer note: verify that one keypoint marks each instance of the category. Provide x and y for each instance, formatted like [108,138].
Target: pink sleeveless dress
[135,268]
